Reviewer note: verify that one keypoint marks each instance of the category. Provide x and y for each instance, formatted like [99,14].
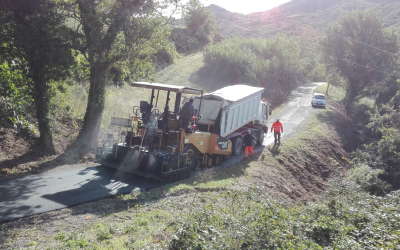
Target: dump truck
[226,116]
[168,144]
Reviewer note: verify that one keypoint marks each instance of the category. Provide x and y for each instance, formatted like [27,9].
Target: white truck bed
[240,105]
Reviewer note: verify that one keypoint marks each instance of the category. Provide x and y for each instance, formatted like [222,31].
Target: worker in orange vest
[248,144]
[278,128]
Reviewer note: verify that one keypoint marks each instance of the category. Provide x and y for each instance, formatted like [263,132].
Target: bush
[368,179]
[387,90]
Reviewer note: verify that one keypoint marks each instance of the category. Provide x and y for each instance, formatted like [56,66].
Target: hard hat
[249,131]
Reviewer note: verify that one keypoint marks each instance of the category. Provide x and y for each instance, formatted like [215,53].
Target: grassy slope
[150,219]
[185,71]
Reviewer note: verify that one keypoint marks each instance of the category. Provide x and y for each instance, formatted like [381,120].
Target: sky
[245,6]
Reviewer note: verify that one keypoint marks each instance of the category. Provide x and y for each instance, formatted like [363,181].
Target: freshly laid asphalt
[46,192]
[35,194]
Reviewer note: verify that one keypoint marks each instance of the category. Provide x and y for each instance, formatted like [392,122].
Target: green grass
[183,71]
[336,93]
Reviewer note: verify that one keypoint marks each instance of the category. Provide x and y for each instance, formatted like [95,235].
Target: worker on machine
[248,144]
[278,128]
[189,104]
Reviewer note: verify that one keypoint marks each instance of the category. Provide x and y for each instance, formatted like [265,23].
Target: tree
[115,32]
[200,22]
[36,42]
[361,50]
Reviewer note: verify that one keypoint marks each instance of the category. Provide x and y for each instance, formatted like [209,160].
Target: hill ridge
[287,18]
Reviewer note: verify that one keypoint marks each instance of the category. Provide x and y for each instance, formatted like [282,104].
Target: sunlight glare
[246,7]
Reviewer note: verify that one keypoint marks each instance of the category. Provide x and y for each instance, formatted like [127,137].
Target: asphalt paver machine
[153,139]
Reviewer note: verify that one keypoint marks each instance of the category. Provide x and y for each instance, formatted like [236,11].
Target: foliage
[200,22]
[68,101]
[335,92]
[383,154]
[345,217]
[388,92]
[347,47]
[368,179]
[15,99]
[121,36]
[279,65]
[185,42]
[80,70]
[359,111]
[38,45]
[334,79]
[383,117]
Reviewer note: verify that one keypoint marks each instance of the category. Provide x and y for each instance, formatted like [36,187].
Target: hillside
[291,18]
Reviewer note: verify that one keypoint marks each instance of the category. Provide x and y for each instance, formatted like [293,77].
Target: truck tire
[260,136]
[217,160]
[209,161]
[192,159]
[237,146]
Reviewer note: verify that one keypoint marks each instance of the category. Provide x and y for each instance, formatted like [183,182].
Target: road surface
[34,194]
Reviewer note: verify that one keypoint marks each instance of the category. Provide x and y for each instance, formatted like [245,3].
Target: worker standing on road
[190,105]
[278,128]
[248,144]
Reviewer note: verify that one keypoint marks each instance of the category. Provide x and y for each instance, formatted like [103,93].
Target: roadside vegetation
[338,190]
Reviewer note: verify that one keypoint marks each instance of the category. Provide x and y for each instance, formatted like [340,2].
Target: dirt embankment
[301,167]
[19,154]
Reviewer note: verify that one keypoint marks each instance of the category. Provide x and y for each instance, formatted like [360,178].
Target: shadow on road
[105,183]
[15,190]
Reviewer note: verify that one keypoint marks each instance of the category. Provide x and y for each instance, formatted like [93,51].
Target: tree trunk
[327,89]
[88,136]
[352,93]
[42,101]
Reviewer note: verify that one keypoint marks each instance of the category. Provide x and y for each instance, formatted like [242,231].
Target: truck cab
[265,112]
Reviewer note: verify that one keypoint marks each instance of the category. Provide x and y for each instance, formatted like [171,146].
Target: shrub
[368,179]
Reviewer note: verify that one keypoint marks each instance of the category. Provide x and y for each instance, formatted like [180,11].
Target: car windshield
[320,97]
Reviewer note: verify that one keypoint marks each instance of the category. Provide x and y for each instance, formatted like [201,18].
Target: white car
[318,100]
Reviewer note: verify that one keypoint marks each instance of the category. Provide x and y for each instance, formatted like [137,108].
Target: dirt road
[45,192]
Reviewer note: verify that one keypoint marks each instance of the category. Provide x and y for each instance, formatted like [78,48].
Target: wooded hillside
[291,17]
